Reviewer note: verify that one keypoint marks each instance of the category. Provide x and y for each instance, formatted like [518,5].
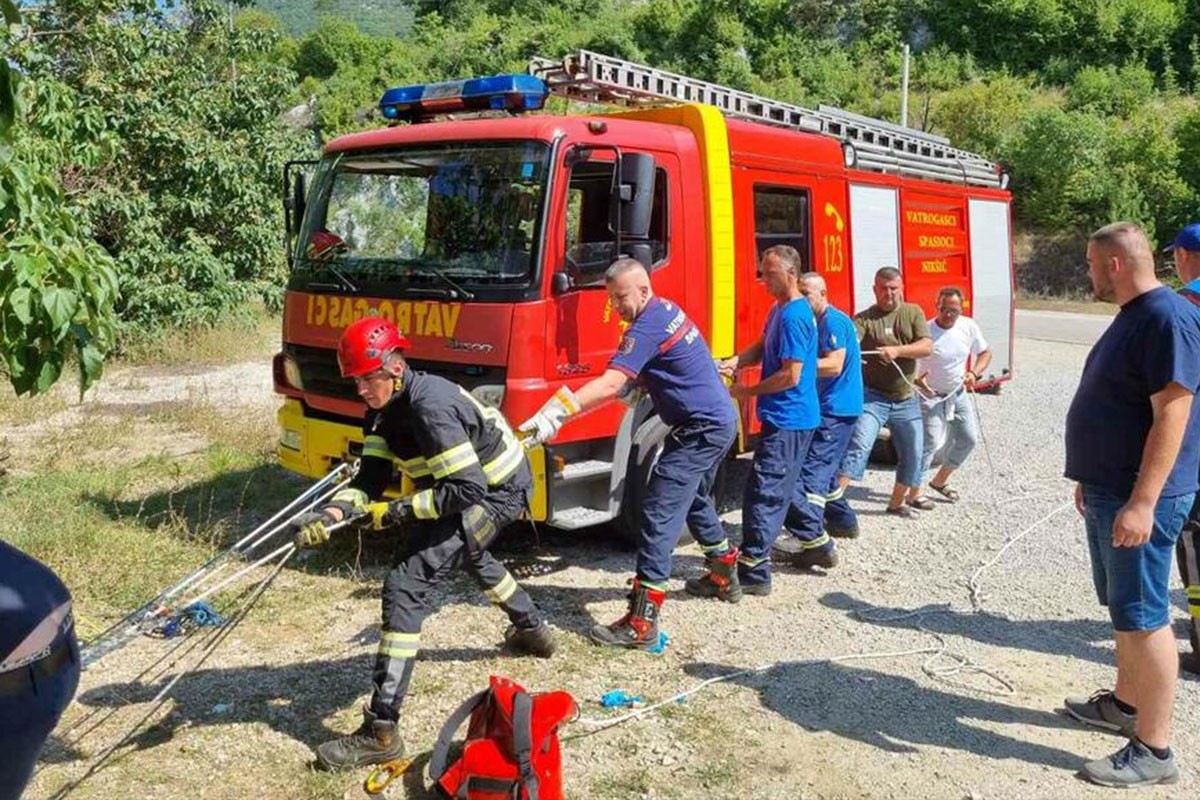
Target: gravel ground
[881,726]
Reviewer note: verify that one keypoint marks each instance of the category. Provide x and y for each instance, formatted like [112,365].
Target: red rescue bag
[511,751]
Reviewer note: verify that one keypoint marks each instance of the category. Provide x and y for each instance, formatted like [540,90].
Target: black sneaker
[536,641]
[375,742]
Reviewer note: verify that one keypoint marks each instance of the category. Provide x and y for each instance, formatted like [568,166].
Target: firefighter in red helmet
[472,479]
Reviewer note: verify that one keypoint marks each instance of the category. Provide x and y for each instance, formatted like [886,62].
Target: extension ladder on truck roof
[880,146]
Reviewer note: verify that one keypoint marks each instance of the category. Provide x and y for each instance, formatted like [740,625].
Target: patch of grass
[255,336]
[24,410]
[631,783]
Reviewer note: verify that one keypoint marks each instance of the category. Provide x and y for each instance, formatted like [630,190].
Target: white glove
[630,393]
[543,425]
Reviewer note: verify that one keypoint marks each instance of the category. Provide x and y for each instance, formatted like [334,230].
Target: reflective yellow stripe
[450,461]
[355,498]
[503,590]
[815,499]
[1194,592]
[376,446]
[414,467]
[836,494]
[714,548]
[820,541]
[400,645]
[499,468]
[423,505]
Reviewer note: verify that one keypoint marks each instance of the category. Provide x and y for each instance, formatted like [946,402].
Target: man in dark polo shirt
[1133,447]
[663,352]
[39,663]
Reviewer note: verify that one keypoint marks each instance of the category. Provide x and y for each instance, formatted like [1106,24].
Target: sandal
[946,492]
[901,511]
[922,502]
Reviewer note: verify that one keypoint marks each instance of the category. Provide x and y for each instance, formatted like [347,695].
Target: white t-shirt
[951,347]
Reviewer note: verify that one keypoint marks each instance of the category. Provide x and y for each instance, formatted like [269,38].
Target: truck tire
[642,459]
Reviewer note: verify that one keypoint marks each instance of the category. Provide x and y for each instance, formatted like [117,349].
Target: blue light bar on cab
[498,92]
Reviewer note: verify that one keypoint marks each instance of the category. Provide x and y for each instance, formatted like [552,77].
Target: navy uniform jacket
[453,447]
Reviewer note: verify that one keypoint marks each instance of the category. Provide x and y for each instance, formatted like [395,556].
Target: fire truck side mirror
[295,194]
[560,282]
[634,199]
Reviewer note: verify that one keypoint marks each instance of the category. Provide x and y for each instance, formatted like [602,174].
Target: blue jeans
[770,492]
[950,427]
[903,418]
[27,718]
[680,490]
[819,471]
[1133,582]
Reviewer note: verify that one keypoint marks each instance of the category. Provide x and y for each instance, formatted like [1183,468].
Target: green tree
[57,287]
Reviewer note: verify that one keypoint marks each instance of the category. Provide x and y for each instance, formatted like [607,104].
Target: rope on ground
[218,636]
[941,664]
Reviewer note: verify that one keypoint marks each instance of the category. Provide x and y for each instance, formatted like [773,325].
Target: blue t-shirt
[665,352]
[791,335]
[841,396]
[1154,340]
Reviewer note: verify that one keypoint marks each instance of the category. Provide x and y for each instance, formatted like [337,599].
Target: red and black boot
[721,580]
[638,628]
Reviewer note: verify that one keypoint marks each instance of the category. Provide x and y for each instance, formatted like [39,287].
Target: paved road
[1061,326]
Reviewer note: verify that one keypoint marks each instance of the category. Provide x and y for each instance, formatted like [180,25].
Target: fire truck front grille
[319,371]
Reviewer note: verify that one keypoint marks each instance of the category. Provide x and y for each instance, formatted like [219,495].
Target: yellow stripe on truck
[708,125]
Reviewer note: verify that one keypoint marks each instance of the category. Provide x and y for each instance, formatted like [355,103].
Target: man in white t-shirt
[951,428]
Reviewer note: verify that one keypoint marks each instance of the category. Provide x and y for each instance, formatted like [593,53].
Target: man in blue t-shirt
[39,663]
[839,387]
[788,409]
[663,352]
[1186,250]
[1133,447]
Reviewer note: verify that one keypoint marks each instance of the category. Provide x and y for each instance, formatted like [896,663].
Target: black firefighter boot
[375,742]
[639,627]
[536,641]
[721,580]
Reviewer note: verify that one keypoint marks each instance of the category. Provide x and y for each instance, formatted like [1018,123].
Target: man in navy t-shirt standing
[1186,250]
[39,663]
[1133,447]
[663,351]
[840,389]
[788,409]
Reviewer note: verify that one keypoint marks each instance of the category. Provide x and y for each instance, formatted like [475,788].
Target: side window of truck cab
[591,244]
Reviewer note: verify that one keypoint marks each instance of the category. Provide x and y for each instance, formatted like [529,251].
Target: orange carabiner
[382,776]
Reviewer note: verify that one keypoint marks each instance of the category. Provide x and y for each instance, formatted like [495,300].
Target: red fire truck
[484,233]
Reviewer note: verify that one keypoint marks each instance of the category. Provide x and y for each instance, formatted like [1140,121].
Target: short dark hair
[887,274]
[787,254]
[946,291]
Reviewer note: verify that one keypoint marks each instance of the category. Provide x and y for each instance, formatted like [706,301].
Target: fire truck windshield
[434,218]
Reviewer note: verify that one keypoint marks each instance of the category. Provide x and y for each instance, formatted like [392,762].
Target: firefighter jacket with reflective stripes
[452,446]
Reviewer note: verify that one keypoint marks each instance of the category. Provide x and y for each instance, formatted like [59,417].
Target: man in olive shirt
[893,335]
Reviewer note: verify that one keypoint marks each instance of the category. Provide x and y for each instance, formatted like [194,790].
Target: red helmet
[365,344]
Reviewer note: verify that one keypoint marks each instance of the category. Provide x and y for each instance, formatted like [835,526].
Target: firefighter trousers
[1187,552]
[770,493]
[806,515]
[680,490]
[440,547]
